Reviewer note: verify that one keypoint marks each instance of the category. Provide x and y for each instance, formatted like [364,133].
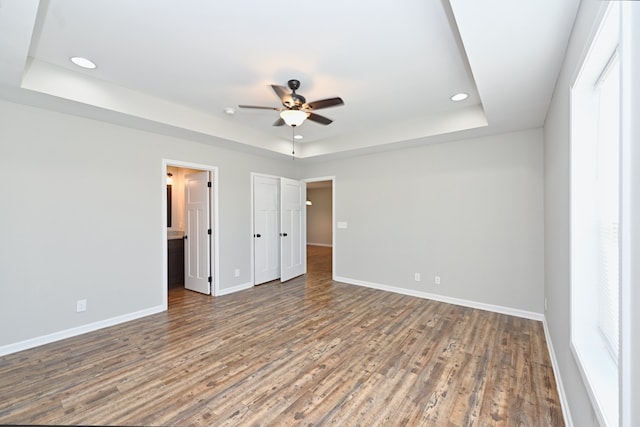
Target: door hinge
[209,184]
[209,279]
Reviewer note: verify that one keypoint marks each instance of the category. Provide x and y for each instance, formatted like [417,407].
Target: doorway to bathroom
[190,227]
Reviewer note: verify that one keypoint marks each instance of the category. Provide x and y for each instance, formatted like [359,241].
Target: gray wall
[86,201]
[319,222]
[81,217]
[469,211]
[557,225]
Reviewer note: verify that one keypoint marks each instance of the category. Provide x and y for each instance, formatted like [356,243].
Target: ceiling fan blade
[281,91]
[279,122]
[319,119]
[259,107]
[324,103]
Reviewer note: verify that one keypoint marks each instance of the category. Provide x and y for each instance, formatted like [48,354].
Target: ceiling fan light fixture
[293,117]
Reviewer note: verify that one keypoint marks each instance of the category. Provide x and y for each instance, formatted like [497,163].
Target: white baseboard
[320,244]
[242,287]
[564,402]
[68,333]
[457,301]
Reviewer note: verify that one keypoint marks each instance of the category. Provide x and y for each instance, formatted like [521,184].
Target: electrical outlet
[436,280]
[81,305]
[237,272]
[416,276]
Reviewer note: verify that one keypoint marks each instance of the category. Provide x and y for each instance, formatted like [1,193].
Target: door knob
[257,235]
[283,234]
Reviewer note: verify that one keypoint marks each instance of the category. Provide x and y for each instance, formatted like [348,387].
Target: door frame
[214,258]
[334,248]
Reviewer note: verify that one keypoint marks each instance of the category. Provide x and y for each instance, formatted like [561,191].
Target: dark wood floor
[306,352]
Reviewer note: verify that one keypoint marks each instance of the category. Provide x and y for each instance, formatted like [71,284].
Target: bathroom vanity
[175,258]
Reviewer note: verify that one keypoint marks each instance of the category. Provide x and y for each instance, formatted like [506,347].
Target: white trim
[266,175]
[320,178]
[79,330]
[630,207]
[252,257]
[586,51]
[252,260]
[238,288]
[449,300]
[215,257]
[601,43]
[564,402]
[333,244]
[165,242]
[326,245]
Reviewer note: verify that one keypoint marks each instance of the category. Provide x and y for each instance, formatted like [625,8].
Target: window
[607,202]
[595,189]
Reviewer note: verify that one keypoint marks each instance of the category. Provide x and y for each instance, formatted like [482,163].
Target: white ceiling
[174,66]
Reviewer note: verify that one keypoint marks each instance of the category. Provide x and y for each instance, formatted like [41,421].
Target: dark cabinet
[175,263]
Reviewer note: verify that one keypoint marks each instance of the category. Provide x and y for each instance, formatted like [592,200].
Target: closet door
[293,234]
[266,229]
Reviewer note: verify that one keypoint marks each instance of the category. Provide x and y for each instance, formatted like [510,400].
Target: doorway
[320,219]
[190,228]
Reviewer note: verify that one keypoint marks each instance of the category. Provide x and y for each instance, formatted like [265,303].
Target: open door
[293,229]
[266,228]
[197,247]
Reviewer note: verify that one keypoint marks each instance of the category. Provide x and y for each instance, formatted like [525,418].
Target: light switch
[342,224]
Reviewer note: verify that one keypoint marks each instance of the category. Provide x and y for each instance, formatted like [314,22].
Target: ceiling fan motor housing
[294,101]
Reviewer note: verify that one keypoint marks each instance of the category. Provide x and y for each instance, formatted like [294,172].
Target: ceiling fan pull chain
[293,142]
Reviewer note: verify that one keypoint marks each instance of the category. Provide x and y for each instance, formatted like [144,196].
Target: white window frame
[629,210]
[598,365]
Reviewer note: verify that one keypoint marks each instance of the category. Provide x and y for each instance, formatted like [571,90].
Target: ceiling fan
[295,108]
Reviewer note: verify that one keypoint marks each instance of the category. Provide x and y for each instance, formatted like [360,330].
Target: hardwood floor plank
[306,352]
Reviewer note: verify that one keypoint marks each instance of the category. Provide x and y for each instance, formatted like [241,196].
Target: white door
[197,258]
[293,235]
[266,229]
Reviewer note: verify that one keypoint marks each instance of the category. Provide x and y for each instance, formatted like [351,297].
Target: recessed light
[229,111]
[298,137]
[83,62]
[460,96]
